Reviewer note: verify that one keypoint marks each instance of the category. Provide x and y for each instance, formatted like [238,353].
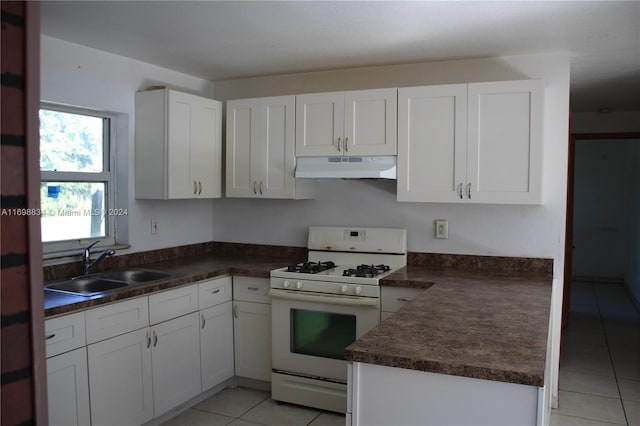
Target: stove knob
[299,285]
[286,284]
[344,288]
[358,290]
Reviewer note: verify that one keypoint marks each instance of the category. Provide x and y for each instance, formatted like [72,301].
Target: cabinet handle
[404,299]
[50,336]
[199,187]
[155,339]
[235,311]
[148,340]
[469,190]
[260,187]
[339,144]
[346,147]
[216,291]
[253,288]
[460,190]
[204,321]
[195,187]
[254,188]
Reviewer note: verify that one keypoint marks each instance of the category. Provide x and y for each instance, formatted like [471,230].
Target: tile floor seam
[588,418]
[613,366]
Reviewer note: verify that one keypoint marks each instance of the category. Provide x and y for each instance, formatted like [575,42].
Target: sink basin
[106,282]
[136,275]
[87,286]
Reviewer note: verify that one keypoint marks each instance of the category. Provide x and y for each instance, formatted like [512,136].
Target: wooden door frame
[568,247]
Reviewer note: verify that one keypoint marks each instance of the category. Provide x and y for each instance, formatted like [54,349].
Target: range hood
[346,167]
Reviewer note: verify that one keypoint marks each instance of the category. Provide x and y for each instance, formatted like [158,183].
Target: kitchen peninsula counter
[479,324]
[190,270]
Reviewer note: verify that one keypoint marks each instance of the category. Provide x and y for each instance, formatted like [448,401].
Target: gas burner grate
[311,267]
[366,271]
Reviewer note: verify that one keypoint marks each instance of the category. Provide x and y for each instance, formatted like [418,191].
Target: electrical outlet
[154,226]
[442,229]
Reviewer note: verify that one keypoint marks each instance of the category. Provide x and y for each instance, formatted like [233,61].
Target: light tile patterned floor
[600,363]
[247,407]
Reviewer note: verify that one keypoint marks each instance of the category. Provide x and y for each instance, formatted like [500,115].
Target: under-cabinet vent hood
[346,167]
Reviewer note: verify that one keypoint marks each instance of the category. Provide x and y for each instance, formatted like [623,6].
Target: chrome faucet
[86,257]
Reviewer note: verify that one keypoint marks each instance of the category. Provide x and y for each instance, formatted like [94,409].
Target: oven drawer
[251,289]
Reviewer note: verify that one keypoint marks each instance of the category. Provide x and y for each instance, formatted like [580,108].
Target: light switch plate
[442,229]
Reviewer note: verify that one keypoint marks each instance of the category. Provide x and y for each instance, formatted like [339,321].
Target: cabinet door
[432,143]
[370,126]
[180,116]
[216,345]
[252,340]
[242,131]
[504,163]
[176,362]
[120,380]
[68,389]
[319,124]
[273,157]
[206,148]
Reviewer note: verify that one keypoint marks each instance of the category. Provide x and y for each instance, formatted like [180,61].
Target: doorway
[602,238]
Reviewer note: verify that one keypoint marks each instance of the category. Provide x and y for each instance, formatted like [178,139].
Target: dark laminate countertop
[486,325]
[192,269]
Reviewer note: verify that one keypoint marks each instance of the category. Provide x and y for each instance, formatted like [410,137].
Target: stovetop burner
[366,271]
[311,267]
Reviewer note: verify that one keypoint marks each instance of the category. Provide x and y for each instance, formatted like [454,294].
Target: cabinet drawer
[251,289]
[173,303]
[393,298]
[117,318]
[213,292]
[65,333]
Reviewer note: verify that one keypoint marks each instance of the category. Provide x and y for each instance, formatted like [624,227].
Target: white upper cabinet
[432,148]
[478,142]
[178,146]
[504,157]
[260,149]
[354,123]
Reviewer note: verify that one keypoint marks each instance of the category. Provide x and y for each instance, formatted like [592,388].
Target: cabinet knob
[299,285]
[286,284]
[358,290]
[344,288]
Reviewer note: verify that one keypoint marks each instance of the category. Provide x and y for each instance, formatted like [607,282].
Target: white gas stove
[321,306]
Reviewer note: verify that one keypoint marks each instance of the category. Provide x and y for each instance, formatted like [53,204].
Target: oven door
[310,331]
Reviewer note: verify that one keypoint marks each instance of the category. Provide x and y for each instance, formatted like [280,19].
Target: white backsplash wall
[372,203]
[80,76]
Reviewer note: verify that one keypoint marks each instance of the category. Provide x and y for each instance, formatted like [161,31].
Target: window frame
[107,176]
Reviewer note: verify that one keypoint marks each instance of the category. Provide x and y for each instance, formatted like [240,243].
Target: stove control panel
[359,290]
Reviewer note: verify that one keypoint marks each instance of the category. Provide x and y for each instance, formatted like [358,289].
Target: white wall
[535,231]
[632,273]
[603,171]
[80,76]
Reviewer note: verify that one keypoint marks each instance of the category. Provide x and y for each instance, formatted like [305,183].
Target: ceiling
[219,40]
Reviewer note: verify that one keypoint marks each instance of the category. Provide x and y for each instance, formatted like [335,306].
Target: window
[76,191]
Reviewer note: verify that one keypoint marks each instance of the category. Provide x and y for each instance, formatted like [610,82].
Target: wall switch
[442,229]
[154,226]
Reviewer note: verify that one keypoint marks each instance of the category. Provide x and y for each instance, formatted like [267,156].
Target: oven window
[323,334]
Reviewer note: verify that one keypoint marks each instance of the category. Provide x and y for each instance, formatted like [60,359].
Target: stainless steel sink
[87,286]
[107,282]
[137,275]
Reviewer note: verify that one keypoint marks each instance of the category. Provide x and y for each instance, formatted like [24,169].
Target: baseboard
[603,280]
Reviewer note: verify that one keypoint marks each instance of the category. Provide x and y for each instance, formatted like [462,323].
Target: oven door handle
[323,298]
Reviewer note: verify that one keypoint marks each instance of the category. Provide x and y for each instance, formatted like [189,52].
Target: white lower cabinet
[252,328]
[175,357]
[120,379]
[216,345]
[68,389]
